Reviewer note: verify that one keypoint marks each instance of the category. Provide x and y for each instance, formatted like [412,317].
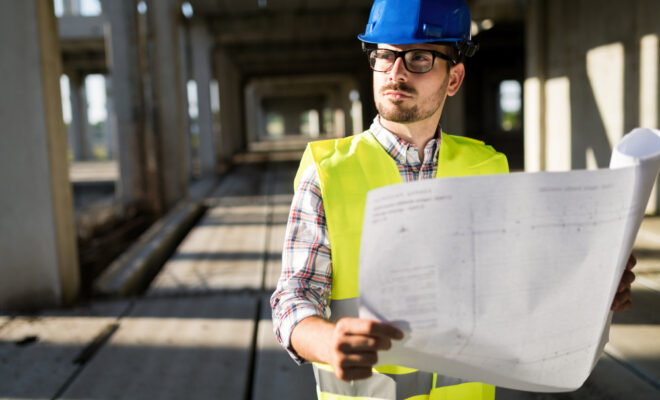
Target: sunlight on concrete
[558,124]
[605,69]
[648,95]
[533,131]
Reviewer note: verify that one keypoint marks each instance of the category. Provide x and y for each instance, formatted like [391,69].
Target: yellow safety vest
[347,169]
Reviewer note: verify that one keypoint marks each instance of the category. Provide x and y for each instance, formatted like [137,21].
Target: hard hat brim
[394,40]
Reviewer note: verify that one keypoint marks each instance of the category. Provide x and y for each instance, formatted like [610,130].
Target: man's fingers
[357,343]
[632,261]
[359,326]
[622,301]
[625,306]
[627,279]
[365,359]
[349,374]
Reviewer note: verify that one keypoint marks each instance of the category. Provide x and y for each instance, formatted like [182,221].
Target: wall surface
[592,69]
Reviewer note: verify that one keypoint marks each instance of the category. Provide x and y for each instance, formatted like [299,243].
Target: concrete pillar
[534,86]
[110,123]
[184,78]
[291,120]
[80,143]
[169,99]
[231,105]
[125,97]
[71,7]
[262,121]
[314,123]
[201,65]
[254,126]
[340,122]
[356,113]
[37,232]
[346,106]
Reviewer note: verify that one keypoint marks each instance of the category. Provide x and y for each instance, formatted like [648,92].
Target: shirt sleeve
[304,285]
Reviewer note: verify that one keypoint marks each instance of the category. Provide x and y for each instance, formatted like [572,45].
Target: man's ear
[456,76]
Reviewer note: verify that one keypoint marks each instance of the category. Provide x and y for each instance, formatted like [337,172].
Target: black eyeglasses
[417,61]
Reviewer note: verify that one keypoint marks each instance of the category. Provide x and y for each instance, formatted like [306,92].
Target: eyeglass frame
[402,55]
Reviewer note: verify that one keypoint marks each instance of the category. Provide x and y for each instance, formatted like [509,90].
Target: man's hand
[350,346]
[622,299]
[355,345]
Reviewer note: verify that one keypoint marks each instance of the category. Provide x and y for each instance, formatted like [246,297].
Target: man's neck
[416,133]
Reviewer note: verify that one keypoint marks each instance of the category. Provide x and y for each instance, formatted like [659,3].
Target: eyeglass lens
[381,60]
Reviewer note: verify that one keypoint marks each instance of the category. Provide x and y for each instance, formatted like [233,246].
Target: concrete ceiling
[235,8]
[287,36]
[273,37]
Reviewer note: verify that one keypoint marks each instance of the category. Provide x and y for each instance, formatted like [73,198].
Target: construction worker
[416,50]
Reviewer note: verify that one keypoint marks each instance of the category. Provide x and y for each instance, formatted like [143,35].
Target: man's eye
[420,57]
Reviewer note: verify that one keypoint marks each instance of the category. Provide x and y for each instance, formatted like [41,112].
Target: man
[416,50]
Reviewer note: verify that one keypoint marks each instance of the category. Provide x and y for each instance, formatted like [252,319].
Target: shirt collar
[398,148]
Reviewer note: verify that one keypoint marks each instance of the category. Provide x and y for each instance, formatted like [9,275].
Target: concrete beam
[37,233]
[286,26]
[82,41]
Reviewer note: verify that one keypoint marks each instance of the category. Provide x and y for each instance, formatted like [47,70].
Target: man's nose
[398,71]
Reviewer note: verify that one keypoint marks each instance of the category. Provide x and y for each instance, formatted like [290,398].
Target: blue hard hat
[420,21]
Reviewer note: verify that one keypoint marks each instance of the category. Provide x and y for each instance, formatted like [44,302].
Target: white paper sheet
[505,279]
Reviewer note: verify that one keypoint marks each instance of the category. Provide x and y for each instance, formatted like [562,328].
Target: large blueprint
[505,279]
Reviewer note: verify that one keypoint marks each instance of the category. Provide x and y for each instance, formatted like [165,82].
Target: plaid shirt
[304,285]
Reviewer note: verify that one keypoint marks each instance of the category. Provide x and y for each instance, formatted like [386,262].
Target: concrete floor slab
[639,346]
[647,248]
[178,348]
[275,244]
[276,375]
[608,380]
[225,251]
[243,184]
[38,354]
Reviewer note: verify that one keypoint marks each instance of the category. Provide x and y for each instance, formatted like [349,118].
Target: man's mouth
[397,92]
[396,95]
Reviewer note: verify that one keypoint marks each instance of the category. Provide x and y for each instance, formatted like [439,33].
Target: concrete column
[314,123]
[201,48]
[291,120]
[71,7]
[184,77]
[253,115]
[262,120]
[169,99]
[231,103]
[111,123]
[78,96]
[356,114]
[125,97]
[346,106]
[37,232]
[534,87]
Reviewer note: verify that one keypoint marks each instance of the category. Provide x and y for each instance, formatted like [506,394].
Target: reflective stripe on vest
[347,169]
